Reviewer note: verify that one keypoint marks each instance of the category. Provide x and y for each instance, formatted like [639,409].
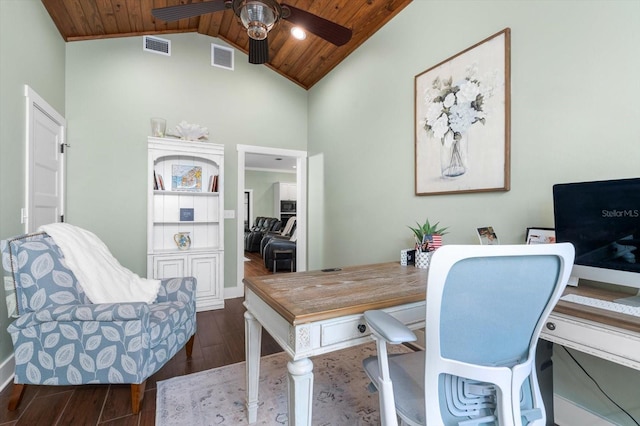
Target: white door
[45,180]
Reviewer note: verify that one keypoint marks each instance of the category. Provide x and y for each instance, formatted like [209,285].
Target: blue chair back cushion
[486,327]
[38,275]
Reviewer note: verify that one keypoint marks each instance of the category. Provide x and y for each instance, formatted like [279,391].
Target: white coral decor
[191,132]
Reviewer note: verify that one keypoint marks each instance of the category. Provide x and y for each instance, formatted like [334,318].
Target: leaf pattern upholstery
[61,338]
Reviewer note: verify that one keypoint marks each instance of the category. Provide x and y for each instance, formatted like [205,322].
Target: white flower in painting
[434,111]
[461,117]
[451,109]
[468,92]
[441,126]
[449,100]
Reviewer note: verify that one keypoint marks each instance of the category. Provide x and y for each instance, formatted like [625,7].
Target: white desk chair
[486,306]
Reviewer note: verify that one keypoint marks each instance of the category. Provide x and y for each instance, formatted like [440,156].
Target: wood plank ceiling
[303,62]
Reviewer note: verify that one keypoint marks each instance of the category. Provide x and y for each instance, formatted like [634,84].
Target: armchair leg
[137,394]
[16,395]
[189,345]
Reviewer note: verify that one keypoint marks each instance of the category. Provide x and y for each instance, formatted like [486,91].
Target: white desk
[311,313]
[604,334]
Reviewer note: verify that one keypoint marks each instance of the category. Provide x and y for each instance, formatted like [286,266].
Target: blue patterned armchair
[61,338]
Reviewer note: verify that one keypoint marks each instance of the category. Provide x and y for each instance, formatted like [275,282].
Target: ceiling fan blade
[330,31]
[188,10]
[258,51]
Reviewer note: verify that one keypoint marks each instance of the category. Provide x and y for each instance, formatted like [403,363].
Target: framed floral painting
[462,121]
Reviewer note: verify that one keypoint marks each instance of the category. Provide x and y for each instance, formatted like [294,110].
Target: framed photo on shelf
[487,236]
[186,215]
[463,120]
[186,178]
[540,236]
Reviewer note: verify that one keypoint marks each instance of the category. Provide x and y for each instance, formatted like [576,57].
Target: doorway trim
[301,208]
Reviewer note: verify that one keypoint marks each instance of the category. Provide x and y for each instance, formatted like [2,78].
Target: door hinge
[62,145]
[62,218]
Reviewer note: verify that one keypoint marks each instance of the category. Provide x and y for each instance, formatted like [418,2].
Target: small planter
[423,259]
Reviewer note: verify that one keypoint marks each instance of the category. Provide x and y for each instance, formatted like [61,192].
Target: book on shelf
[213,183]
[158,183]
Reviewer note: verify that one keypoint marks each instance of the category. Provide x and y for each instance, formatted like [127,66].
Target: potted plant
[424,235]
[428,238]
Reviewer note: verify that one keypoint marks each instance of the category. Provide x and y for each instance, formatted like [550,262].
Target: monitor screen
[602,220]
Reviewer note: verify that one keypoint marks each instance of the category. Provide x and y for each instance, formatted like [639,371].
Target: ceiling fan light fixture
[257,16]
[298,33]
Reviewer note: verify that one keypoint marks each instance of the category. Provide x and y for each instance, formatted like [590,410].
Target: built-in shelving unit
[186,195]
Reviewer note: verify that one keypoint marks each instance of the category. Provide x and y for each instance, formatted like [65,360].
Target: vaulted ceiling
[304,62]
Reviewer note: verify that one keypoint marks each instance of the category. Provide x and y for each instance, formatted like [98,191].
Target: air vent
[157,45]
[221,57]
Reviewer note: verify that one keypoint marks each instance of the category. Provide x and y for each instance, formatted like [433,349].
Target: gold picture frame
[463,121]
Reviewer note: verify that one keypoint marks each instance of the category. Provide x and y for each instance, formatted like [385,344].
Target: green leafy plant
[428,229]
[423,235]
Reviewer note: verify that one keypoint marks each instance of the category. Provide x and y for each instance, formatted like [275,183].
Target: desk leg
[253,337]
[300,391]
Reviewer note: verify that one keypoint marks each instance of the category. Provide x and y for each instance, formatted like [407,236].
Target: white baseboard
[567,413]
[233,292]
[6,371]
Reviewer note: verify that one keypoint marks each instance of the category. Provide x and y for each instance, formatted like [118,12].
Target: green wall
[114,88]
[31,52]
[575,91]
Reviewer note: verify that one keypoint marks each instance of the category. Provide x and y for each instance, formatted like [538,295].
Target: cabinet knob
[362,328]
[551,326]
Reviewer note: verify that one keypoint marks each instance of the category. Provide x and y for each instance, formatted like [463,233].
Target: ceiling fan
[259,17]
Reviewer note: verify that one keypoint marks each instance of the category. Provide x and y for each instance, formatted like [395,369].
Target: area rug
[217,397]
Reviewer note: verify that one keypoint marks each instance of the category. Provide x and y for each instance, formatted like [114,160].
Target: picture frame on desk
[540,236]
[487,236]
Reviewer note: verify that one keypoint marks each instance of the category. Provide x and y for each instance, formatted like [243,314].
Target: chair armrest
[102,312]
[180,289]
[388,328]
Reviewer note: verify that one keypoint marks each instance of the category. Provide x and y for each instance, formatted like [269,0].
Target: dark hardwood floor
[219,341]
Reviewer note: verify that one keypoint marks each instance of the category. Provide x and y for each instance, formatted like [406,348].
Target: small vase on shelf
[182,239]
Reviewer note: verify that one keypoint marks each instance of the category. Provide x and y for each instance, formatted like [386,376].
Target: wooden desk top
[303,297]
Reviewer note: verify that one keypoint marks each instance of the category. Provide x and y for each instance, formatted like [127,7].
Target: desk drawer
[343,330]
[614,344]
[354,327]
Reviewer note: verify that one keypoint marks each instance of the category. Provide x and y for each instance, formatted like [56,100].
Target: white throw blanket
[99,274]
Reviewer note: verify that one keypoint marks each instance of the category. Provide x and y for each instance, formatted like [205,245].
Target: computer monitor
[602,220]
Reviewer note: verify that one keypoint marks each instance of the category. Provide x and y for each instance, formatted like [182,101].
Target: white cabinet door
[205,268]
[169,266]
[288,191]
